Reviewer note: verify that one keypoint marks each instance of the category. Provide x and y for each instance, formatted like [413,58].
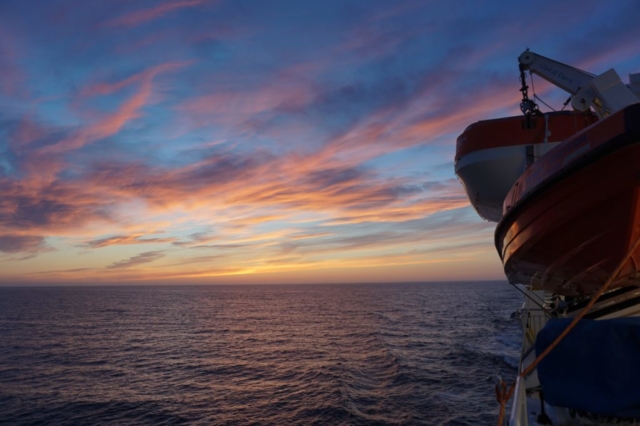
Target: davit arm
[605,93]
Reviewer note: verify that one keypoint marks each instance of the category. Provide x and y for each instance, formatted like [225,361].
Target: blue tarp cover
[595,368]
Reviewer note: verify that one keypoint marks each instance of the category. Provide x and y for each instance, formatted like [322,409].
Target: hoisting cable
[545,104]
[533,88]
[503,395]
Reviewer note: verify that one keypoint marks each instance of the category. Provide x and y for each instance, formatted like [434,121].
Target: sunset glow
[203,141]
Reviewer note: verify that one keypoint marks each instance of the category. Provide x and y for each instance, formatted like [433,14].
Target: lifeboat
[572,216]
[492,154]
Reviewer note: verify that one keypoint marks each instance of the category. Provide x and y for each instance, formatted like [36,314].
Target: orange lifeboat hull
[570,219]
[492,154]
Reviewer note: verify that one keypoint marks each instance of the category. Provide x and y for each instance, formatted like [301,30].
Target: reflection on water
[331,354]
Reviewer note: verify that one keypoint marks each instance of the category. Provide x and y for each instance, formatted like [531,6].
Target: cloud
[198,238]
[12,243]
[52,208]
[222,181]
[107,88]
[25,133]
[200,259]
[278,153]
[112,123]
[142,16]
[330,181]
[245,107]
[125,240]
[139,259]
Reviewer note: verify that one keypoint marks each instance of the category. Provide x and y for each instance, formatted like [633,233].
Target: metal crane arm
[564,76]
[604,93]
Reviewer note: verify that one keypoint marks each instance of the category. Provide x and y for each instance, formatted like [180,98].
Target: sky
[257,141]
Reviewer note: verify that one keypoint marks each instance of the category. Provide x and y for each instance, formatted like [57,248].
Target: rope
[545,104]
[533,89]
[503,395]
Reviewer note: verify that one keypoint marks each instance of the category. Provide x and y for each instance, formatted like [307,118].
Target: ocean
[366,354]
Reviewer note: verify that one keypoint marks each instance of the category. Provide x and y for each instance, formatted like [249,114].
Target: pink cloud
[141,16]
[27,132]
[114,122]
[232,108]
[107,88]
[327,182]
[106,126]
[289,183]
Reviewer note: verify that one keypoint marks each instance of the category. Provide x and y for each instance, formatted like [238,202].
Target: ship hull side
[571,219]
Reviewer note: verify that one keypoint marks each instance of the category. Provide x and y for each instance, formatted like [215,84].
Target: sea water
[379,354]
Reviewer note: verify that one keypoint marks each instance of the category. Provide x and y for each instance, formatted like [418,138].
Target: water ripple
[357,354]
